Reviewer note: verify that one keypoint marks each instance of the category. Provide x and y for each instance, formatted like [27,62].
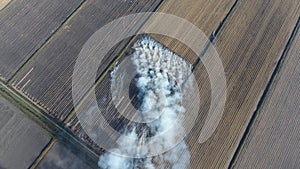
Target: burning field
[154,139]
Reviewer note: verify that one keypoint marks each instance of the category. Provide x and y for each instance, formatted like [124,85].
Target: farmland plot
[46,80]
[25,26]
[21,140]
[250,44]
[273,140]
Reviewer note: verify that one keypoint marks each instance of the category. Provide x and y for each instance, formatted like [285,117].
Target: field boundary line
[42,154]
[213,35]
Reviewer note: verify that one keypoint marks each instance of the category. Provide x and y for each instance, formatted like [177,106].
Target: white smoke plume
[160,76]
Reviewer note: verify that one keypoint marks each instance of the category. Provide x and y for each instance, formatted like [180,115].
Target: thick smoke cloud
[160,75]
